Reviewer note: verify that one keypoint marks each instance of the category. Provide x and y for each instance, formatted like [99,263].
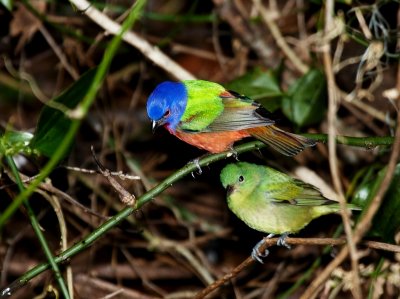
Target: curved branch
[365,222]
[151,194]
[268,242]
[151,52]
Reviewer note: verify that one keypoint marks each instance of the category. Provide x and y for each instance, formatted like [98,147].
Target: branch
[367,142]
[39,234]
[151,194]
[77,115]
[333,104]
[366,221]
[268,242]
[274,29]
[250,34]
[151,52]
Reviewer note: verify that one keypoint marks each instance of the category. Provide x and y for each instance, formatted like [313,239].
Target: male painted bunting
[272,202]
[208,116]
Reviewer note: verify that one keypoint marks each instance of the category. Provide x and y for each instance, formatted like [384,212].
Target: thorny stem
[367,142]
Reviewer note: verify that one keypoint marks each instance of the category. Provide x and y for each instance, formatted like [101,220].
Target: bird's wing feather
[239,113]
[296,193]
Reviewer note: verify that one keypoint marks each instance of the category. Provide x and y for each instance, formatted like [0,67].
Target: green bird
[272,202]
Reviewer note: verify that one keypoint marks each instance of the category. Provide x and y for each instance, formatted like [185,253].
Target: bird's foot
[196,162]
[282,241]
[234,153]
[255,253]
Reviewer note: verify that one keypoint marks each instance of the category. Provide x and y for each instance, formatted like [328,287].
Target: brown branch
[125,196]
[251,35]
[281,42]
[333,104]
[268,242]
[151,52]
[366,221]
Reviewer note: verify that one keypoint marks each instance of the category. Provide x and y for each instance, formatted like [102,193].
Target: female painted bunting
[272,202]
[208,116]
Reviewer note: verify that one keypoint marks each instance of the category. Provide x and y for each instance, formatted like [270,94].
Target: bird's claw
[282,241]
[234,154]
[196,162]
[255,253]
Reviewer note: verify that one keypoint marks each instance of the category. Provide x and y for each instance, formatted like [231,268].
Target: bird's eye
[167,113]
[241,179]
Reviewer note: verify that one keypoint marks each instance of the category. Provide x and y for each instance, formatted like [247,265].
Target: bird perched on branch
[208,116]
[272,202]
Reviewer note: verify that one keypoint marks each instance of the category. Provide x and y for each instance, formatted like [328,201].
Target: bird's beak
[229,190]
[156,124]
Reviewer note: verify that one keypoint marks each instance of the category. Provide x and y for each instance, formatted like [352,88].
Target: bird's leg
[282,240]
[255,253]
[233,153]
[196,162]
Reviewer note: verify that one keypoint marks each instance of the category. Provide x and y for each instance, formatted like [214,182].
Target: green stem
[367,142]
[115,220]
[39,234]
[187,169]
[82,110]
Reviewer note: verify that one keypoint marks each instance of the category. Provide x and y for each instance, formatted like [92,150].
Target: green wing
[211,108]
[203,105]
[280,188]
[239,113]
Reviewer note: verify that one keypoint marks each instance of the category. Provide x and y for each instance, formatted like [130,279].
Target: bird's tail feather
[286,143]
[332,207]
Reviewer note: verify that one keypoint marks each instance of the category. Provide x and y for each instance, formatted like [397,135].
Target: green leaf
[14,142]
[261,86]
[7,3]
[387,220]
[53,124]
[304,103]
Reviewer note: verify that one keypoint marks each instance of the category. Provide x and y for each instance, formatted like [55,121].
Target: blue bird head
[166,104]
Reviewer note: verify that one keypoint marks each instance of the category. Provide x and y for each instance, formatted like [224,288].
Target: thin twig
[48,187]
[119,174]
[367,142]
[55,203]
[140,273]
[365,222]
[249,34]
[41,238]
[333,97]
[124,195]
[36,91]
[273,28]
[151,52]
[268,242]
[61,56]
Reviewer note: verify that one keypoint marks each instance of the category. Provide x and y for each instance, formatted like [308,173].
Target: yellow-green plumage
[272,202]
[208,110]
[201,94]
